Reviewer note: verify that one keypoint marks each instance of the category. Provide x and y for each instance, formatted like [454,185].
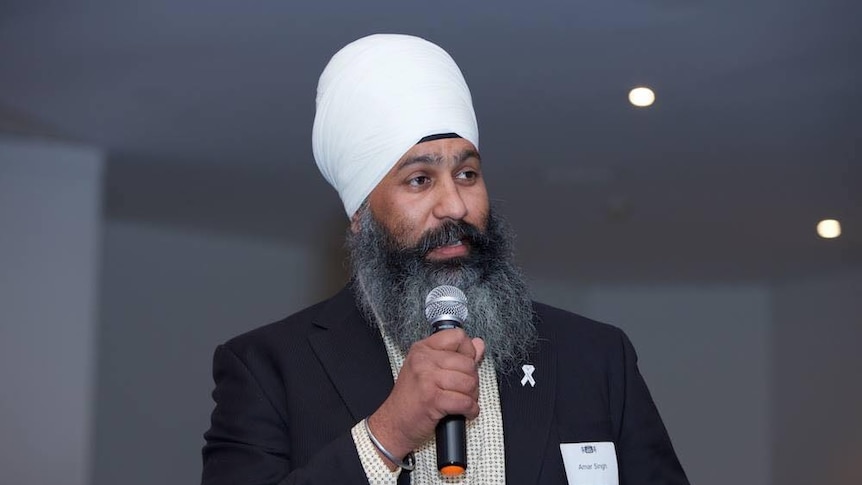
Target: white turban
[379,96]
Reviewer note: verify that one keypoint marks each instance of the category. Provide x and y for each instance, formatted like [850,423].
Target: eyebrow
[437,159]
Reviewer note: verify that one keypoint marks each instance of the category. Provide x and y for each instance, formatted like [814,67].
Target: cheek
[399,225]
[479,208]
[410,219]
[412,228]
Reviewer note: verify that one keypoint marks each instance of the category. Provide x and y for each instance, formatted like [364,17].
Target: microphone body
[446,308]
[452,445]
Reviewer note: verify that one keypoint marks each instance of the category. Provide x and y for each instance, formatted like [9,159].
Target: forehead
[446,150]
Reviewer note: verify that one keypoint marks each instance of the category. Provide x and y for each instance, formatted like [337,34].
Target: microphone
[446,308]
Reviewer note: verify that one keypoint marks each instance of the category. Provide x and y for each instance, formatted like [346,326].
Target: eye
[467,174]
[419,180]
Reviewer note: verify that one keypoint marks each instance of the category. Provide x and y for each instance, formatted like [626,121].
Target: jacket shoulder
[571,328]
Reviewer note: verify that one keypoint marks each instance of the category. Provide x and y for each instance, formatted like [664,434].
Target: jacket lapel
[353,355]
[528,412]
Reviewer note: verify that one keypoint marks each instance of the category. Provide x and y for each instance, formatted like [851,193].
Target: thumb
[479,345]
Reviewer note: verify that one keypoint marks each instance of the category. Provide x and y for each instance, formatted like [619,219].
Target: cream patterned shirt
[485,452]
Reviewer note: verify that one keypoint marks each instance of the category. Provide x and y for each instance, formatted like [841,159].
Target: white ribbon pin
[528,375]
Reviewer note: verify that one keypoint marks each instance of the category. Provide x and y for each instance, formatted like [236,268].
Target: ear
[354,219]
[354,222]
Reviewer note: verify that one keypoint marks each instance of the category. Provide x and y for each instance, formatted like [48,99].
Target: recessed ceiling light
[641,96]
[829,228]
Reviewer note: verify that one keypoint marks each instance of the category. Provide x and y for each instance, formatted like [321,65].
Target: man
[350,390]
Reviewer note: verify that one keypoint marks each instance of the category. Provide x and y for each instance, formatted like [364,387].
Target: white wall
[705,352]
[169,297]
[818,380]
[50,218]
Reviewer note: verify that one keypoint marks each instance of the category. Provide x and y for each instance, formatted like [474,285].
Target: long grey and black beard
[391,284]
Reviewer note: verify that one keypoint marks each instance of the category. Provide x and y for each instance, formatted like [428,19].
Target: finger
[449,402]
[459,382]
[452,361]
[464,344]
[479,346]
[453,340]
[466,347]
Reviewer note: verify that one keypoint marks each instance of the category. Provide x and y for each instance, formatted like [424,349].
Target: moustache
[448,233]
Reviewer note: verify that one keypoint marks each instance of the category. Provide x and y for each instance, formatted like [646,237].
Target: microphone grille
[447,301]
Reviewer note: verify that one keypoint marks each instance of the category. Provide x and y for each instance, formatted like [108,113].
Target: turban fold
[379,96]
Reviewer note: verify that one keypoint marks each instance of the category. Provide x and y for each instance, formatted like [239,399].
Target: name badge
[593,463]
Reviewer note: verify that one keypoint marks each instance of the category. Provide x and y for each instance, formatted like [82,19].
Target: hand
[439,377]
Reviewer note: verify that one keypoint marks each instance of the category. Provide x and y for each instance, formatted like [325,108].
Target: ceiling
[205,110]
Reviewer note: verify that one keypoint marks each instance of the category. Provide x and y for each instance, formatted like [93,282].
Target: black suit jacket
[287,395]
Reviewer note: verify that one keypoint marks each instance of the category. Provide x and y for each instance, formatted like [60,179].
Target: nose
[449,204]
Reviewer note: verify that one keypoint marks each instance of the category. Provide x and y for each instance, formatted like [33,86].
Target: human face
[434,182]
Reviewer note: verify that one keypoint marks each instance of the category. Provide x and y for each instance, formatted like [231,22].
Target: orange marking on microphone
[452,470]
